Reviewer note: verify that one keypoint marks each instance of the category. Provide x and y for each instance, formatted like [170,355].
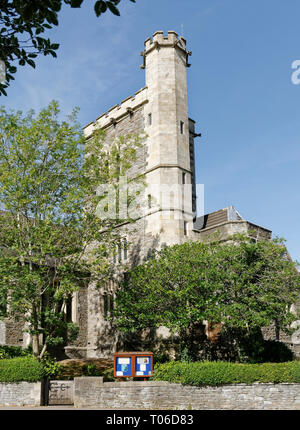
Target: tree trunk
[35,345]
[43,351]
[35,334]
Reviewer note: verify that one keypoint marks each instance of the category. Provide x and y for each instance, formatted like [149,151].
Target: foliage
[160,357]
[51,240]
[20,369]
[51,367]
[185,353]
[219,373]
[14,351]
[23,22]
[240,284]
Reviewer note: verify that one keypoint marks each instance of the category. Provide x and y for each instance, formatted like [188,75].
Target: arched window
[108,305]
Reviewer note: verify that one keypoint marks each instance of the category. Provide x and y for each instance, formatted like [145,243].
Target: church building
[167,158]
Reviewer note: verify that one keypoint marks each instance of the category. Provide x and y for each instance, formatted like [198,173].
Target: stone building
[160,109]
[167,158]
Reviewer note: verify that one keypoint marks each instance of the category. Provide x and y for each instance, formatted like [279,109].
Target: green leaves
[239,283]
[51,240]
[75,3]
[100,7]
[113,8]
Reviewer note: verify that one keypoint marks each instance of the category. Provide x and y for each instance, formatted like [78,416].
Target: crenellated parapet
[141,97]
[158,41]
[117,112]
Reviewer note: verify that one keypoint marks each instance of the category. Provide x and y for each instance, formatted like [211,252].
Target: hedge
[20,369]
[215,373]
[14,351]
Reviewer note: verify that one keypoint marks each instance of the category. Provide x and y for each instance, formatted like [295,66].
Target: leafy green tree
[22,24]
[240,284]
[51,240]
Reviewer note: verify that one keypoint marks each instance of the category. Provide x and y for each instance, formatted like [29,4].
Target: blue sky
[240,91]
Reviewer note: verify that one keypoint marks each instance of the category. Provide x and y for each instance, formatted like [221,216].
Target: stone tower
[170,146]
[167,158]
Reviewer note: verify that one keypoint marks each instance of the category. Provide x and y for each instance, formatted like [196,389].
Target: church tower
[170,146]
[160,109]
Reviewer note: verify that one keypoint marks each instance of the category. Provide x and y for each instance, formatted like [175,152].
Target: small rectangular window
[111,305]
[183,177]
[3,304]
[185,228]
[181,127]
[150,119]
[149,201]
[105,305]
[119,253]
[125,249]
[69,309]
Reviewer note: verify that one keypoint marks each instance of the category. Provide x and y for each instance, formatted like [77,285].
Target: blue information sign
[123,366]
[143,365]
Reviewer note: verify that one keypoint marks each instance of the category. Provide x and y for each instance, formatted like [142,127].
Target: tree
[23,22]
[239,284]
[51,240]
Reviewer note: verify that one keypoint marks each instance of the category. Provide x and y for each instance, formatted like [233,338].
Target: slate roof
[218,217]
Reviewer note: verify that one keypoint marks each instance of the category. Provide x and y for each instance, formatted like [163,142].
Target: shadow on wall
[193,344]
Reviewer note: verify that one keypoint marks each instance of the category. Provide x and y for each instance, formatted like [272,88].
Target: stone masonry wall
[20,394]
[12,332]
[101,337]
[92,392]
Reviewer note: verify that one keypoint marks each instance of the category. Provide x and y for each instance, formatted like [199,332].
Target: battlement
[141,97]
[116,112]
[158,39]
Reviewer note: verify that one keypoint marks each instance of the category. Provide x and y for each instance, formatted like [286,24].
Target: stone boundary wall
[91,392]
[20,394]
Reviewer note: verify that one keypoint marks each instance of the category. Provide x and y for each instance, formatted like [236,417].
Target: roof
[218,217]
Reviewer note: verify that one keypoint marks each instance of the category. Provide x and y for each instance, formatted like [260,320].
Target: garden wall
[20,394]
[93,393]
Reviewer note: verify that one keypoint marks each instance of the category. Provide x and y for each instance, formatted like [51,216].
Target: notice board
[133,364]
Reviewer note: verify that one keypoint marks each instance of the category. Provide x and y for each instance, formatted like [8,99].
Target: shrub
[220,373]
[20,369]
[51,367]
[14,351]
